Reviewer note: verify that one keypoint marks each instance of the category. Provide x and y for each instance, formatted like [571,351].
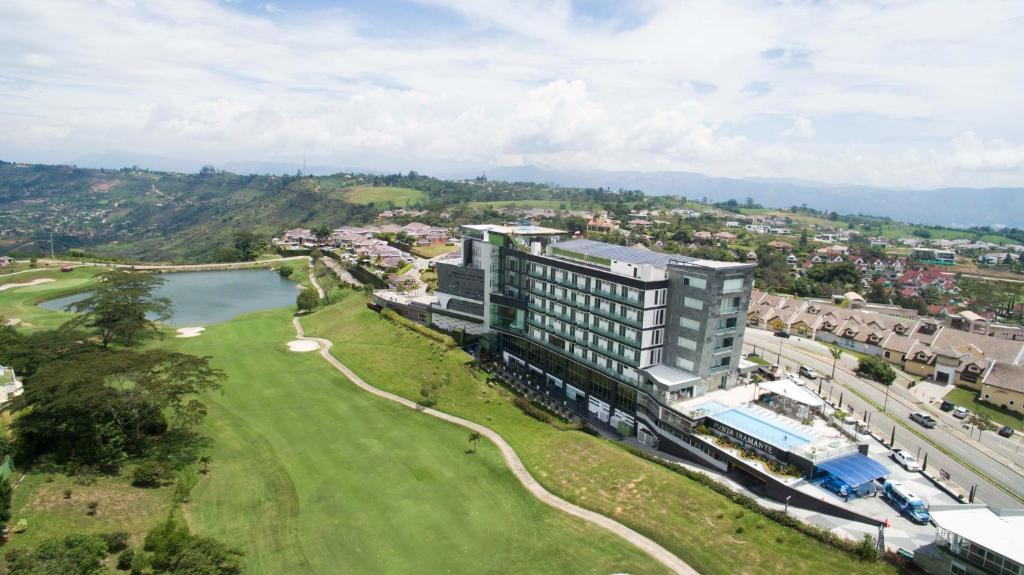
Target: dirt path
[659,553]
[312,280]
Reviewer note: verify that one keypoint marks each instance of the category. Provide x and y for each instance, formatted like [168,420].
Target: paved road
[1003,470]
[659,553]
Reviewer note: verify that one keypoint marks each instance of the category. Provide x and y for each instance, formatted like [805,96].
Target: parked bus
[906,502]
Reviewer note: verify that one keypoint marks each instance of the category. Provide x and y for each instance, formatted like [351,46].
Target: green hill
[160,216]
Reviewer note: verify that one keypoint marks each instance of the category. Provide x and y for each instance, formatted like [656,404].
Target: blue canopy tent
[856,470]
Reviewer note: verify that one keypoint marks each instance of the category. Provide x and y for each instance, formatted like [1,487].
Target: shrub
[532,410]
[149,474]
[67,494]
[307,300]
[91,508]
[867,550]
[116,541]
[876,369]
[125,559]
[285,271]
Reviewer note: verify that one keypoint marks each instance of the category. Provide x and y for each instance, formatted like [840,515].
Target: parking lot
[903,532]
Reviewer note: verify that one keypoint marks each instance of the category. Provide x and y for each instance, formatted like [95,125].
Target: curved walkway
[659,553]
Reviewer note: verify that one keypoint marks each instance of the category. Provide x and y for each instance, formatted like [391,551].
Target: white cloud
[536,82]
[973,153]
[801,128]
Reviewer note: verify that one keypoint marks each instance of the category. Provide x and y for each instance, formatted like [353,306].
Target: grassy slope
[310,474]
[694,522]
[381,195]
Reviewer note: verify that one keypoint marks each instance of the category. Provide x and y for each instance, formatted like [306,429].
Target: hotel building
[622,336]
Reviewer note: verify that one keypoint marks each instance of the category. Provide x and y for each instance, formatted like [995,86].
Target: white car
[808,372]
[905,460]
[960,412]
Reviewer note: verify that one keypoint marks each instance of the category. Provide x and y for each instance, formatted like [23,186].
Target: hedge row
[863,550]
[445,340]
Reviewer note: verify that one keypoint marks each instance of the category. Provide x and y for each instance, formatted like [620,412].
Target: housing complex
[964,352]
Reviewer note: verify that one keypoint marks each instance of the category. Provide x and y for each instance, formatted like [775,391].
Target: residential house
[299,237]
[1003,385]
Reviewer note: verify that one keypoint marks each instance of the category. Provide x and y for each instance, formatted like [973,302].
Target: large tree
[249,244]
[75,554]
[121,306]
[97,408]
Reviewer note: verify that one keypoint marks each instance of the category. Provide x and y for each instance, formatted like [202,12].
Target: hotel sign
[745,439]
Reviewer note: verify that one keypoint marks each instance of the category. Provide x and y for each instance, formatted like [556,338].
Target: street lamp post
[787,502]
[886,402]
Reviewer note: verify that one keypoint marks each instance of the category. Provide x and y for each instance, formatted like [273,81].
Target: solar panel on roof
[619,253]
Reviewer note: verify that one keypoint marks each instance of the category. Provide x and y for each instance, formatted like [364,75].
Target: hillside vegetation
[161,216]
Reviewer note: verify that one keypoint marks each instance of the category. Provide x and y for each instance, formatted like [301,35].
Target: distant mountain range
[956,207]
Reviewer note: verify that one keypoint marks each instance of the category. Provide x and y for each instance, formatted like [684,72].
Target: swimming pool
[752,424]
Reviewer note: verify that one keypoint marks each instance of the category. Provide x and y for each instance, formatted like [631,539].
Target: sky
[898,94]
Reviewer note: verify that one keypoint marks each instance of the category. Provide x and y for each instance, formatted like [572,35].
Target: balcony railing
[719,369]
[616,317]
[617,297]
[632,342]
[723,349]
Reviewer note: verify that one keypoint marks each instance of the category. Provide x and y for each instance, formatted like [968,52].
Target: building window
[684,364]
[686,343]
[689,323]
[659,317]
[695,282]
[727,323]
[657,336]
[693,303]
[731,285]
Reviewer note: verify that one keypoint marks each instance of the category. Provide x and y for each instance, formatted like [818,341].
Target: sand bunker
[190,331]
[302,345]
[6,287]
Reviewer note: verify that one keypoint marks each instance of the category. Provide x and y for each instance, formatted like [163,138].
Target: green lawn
[432,250]
[312,475]
[381,195]
[969,399]
[697,524]
[20,302]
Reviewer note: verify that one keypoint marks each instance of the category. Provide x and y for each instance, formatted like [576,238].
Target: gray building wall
[684,282]
[460,281]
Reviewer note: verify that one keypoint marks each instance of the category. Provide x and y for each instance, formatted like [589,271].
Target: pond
[204,298]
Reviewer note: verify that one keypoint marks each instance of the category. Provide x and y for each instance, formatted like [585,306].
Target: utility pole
[51,243]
